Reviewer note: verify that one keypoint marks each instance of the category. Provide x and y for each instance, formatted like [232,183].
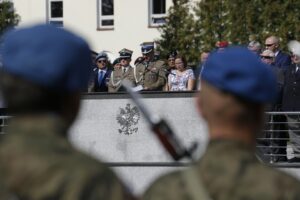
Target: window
[157,12]
[55,12]
[106,14]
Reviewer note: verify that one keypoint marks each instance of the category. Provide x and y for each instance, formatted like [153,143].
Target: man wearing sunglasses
[282,60]
[274,138]
[101,74]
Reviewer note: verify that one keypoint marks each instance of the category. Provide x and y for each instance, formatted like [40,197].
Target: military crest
[128,119]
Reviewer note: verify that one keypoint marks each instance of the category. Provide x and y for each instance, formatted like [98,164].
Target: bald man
[282,60]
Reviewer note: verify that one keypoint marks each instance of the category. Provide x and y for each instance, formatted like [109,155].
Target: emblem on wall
[128,119]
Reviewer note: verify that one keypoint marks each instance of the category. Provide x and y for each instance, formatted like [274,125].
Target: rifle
[161,129]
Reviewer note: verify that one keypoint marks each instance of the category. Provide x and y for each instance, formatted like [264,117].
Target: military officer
[44,71]
[235,87]
[151,73]
[121,73]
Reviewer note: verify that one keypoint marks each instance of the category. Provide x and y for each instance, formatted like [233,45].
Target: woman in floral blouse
[182,78]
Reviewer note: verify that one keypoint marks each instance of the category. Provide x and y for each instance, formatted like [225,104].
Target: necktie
[124,70]
[100,77]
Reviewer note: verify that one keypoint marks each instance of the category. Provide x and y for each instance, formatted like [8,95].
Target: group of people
[286,69]
[41,81]
[148,74]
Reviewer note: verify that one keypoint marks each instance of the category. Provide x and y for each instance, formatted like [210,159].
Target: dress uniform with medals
[121,73]
[151,73]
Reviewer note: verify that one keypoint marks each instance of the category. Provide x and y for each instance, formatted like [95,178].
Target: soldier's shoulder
[273,182]
[160,63]
[166,187]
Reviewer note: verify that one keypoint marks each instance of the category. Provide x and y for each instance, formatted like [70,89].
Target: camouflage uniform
[38,162]
[117,76]
[228,170]
[151,75]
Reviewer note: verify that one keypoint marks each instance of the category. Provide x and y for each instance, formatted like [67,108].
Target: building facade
[108,25]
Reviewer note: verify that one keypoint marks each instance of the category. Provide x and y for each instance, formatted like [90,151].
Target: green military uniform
[38,162]
[151,75]
[118,75]
[228,170]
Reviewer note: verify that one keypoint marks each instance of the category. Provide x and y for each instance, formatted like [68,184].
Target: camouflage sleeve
[169,187]
[103,185]
[162,78]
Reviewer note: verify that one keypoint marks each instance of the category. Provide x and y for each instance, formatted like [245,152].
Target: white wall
[96,132]
[130,18]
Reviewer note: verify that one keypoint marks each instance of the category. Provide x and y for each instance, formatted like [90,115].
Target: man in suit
[101,74]
[125,71]
[291,103]
[278,137]
[232,102]
[282,60]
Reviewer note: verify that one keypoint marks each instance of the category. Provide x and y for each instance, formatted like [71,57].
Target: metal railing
[278,145]
[3,123]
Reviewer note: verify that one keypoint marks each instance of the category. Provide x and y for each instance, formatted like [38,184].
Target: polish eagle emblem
[128,119]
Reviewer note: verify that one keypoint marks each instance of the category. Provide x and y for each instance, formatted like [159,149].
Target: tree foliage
[192,29]
[8,17]
[179,31]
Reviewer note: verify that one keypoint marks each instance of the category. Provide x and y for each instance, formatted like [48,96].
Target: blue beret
[239,71]
[48,56]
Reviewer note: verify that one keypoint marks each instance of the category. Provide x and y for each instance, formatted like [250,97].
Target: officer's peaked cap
[147,47]
[101,56]
[125,53]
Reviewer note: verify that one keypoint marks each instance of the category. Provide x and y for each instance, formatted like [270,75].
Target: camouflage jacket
[38,162]
[228,171]
[151,75]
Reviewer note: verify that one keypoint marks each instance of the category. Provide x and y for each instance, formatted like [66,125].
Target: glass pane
[160,20]
[159,6]
[107,22]
[56,9]
[107,7]
[56,23]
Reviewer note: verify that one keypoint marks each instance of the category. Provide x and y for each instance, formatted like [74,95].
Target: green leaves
[8,17]
[191,30]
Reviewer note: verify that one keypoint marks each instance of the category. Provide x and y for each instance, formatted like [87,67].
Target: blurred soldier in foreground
[44,71]
[122,73]
[151,73]
[232,102]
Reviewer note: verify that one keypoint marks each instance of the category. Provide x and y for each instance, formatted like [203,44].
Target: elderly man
[278,137]
[232,102]
[291,103]
[44,71]
[282,60]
